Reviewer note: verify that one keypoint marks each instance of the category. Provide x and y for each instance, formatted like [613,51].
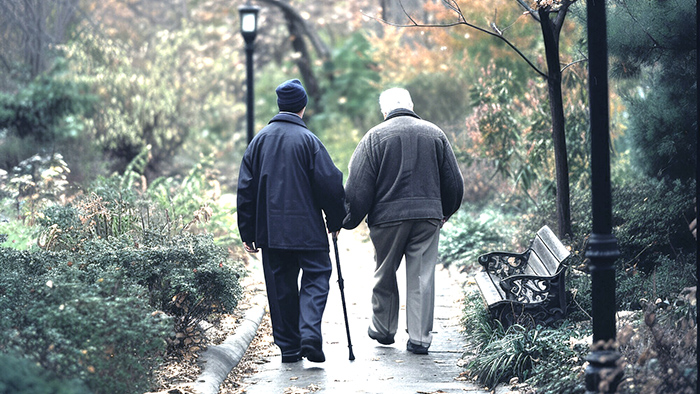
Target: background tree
[40,117]
[550,15]
[298,29]
[38,103]
[653,45]
[29,31]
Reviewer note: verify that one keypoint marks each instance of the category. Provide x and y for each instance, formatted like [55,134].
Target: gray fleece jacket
[402,169]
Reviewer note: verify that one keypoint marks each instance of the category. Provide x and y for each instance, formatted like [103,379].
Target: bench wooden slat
[553,243]
[491,292]
[546,261]
[535,264]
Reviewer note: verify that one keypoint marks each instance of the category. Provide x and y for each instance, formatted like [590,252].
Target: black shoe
[416,349]
[291,357]
[383,340]
[311,350]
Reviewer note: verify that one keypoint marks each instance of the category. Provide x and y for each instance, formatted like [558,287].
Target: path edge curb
[218,361]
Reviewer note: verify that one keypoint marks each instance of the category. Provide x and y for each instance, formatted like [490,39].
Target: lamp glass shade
[248,22]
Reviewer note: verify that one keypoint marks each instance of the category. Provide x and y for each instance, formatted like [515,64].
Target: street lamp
[249,28]
[604,372]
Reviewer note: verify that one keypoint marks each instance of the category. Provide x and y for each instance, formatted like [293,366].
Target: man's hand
[250,248]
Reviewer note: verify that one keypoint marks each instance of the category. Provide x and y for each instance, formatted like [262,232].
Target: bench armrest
[503,264]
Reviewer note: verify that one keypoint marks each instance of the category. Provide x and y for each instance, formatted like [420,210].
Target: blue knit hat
[291,96]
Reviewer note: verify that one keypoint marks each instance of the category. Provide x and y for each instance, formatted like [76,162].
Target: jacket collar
[401,112]
[289,118]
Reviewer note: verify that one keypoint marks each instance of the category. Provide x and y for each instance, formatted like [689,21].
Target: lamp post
[603,373]
[249,28]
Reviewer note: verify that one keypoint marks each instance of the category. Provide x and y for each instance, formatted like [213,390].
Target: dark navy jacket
[286,179]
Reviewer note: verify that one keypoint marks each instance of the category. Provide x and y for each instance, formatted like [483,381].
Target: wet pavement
[376,368]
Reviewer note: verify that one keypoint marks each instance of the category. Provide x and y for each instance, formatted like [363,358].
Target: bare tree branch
[403,9]
[529,10]
[452,4]
[30,28]
[462,21]
[574,63]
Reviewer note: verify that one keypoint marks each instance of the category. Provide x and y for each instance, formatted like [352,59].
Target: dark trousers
[296,311]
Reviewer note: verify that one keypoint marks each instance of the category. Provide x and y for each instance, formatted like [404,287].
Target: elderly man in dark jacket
[404,177]
[286,180]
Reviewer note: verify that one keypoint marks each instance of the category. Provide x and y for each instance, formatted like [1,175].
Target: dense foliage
[22,376]
[654,48]
[100,288]
[656,276]
[105,313]
[40,115]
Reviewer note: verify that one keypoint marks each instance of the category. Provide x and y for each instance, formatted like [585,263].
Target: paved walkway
[376,368]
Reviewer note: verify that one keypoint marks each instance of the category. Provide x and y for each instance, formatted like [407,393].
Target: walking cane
[342,294]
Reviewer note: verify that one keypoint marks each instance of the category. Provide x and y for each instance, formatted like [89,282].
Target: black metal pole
[250,114]
[604,372]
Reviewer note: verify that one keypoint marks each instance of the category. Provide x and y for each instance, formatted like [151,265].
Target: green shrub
[21,376]
[14,234]
[578,295]
[186,276]
[196,199]
[564,378]
[100,331]
[118,276]
[465,237]
[650,222]
[62,228]
[102,314]
[658,253]
[649,219]
[34,184]
[549,358]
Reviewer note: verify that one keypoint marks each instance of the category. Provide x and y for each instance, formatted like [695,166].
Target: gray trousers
[417,241]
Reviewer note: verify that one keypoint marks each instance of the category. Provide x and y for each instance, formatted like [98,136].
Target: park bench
[526,287]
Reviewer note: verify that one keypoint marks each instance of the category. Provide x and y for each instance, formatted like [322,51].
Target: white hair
[395,98]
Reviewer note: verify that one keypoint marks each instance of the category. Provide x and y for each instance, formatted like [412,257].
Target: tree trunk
[304,62]
[298,29]
[556,105]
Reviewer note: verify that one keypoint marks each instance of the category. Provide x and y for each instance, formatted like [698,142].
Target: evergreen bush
[76,326]
[102,305]
[465,237]
[21,376]
[650,222]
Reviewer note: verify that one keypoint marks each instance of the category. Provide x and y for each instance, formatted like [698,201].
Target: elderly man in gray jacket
[405,179]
